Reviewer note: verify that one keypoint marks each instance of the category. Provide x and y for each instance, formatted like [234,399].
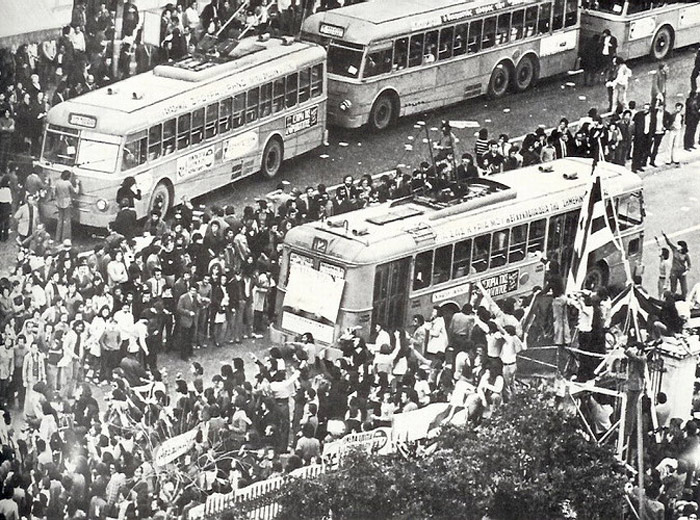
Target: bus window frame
[380,58]
[530,26]
[211,121]
[476,28]
[252,105]
[446,270]
[501,252]
[518,247]
[395,66]
[446,38]
[141,154]
[464,38]
[197,129]
[225,115]
[547,21]
[184,131]
[289,91]
[425,281]
[503,30]
[155,140]
[464,268]
[558,14]
[304,85]
[317,74]
[238,117]
[541,239]
[265,105]
[486,253]
[416,42]
[517,28]
[169,137]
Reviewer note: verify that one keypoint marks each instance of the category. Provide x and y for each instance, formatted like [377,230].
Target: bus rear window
[343,61]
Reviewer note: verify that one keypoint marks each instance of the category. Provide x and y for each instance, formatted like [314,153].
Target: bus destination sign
[301,120]
[334,31]
[82,120]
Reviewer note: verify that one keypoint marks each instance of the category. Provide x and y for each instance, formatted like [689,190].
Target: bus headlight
[345,105]
[102,205]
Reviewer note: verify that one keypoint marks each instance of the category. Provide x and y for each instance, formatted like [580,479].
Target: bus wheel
[161,199]
[596,278]
[272,158]
[662,44]
[524,74]
[500,79]
[382,114]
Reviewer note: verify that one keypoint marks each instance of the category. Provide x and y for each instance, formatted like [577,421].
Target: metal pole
[640,459]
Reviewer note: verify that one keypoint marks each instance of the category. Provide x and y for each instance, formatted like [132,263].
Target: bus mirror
[287,40]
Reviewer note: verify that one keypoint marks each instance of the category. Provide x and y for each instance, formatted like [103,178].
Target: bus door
[390,294]
[561,237]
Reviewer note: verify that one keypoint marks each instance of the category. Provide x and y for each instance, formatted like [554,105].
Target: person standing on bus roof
[64,191]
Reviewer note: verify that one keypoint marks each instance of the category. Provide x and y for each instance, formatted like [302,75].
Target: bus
[189,127]
[393,58]
[385,263]
[643,28]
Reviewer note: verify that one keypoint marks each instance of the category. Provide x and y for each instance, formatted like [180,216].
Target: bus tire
[383,113]
[596,278]
[499,82]
[662,43]
[525,74]
[272,158]
[161,199]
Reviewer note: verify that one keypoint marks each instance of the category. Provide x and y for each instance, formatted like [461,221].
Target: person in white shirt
[694,301]
[490,390]
[665,262]
[437,333]
[621,82]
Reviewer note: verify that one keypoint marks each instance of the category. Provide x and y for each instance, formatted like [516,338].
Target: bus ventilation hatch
[422,234]
[394,215]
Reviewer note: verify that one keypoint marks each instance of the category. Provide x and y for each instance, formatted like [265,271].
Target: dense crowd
[96,322]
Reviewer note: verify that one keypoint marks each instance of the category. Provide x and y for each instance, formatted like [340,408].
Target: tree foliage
[523,463]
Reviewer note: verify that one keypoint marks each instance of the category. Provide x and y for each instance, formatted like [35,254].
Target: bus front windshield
[344,61]
[66,147]
[61,145]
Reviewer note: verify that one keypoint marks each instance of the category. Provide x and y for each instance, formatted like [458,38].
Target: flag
[592,233]
[633,301]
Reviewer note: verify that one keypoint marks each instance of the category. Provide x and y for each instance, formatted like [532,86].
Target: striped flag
[592,233]
[633,300]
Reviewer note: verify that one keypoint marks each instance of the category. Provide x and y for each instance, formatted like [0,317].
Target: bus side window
[463,254]
[571,16]
[197,126]
[135,150]
[443,262]
[499,248]
[516,28]
[239,110]
[503,30]
[265,100]
[480,258]
[474,44]
[400,53]
[460,41]
[488,39]
[292,90]
[225,111]
[155,134]
[535,238]
[545,18]
[169,137]
[304,85]
[421,270]
[558,20]
[630,211]
[278,96]
[556,229]
[430,50]
[446,38]
[317,80]
[183,131]
[415,53]
[530,21]
[377,63]
[253,99]
[518,241]
[570,225]
[212,125]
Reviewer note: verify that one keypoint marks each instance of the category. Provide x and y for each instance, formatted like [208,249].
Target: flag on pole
[592,233]
[633,302]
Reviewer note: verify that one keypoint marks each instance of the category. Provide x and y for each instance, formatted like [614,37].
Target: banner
[415,425]
[174,447]
[374,441]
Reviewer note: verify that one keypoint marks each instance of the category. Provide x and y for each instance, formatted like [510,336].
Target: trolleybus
[383,264]
[388,59]
[189,127]
[643,27]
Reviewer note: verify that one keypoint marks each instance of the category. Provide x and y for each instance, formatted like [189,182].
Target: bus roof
[389,231]
[359,23]
[181,86]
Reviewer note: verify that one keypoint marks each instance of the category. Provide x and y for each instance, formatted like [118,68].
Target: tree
[529,461]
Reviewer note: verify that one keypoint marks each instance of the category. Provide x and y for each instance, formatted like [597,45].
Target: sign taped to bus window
[301,120]
[642,28]
[82,120]
[500,284]
[300,325]
[452,292]
[334,31]
[239,146]
[196,162]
